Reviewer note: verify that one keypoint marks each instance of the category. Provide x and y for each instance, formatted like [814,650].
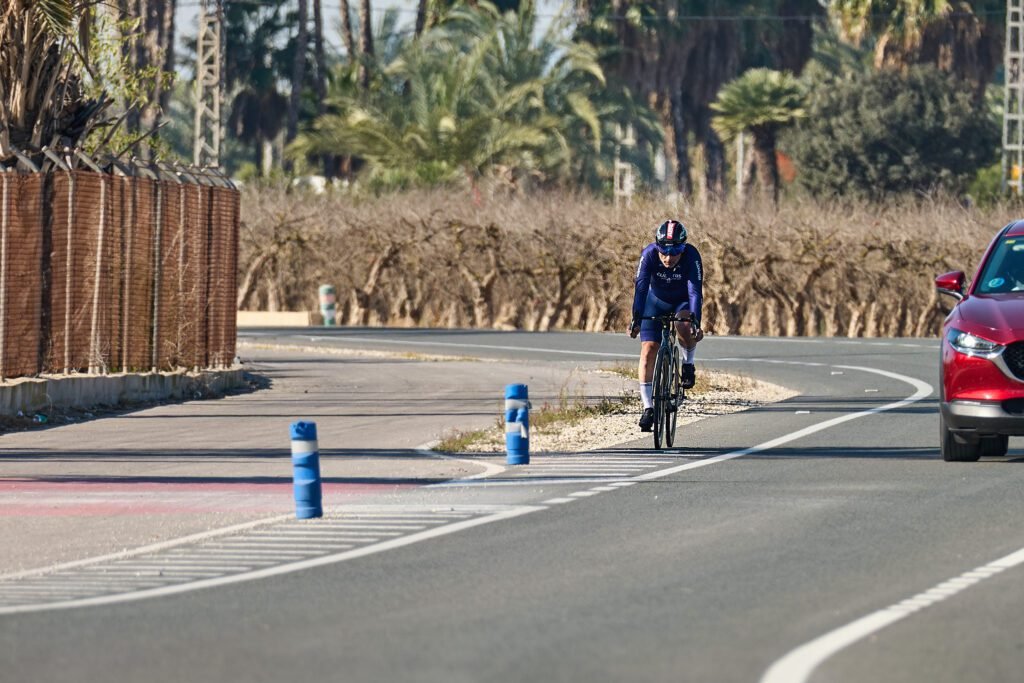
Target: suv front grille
[1013,356]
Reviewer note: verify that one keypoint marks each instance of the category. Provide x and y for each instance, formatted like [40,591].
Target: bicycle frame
[668,392]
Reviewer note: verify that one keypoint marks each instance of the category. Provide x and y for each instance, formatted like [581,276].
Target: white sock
[689,355]
[646,389]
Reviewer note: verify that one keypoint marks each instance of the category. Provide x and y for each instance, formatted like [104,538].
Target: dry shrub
[561,261]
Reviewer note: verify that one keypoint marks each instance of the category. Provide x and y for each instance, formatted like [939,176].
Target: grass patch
[549,417]
[706,380]
[459,441]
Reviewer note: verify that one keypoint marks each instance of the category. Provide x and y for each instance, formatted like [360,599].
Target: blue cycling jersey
[684,282]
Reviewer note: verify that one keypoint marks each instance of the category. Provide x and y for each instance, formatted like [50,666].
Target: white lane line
[582,466]
[531,481]
[923,390]
[603,489]
[347,533]
[434,532]
[335,527]
[271,555]
[582,494]
[558,501]
[354,526]
[490,469]
[146,549]
[622,484]
[288,545]
[170,571]
[494,347]
[797,665]
[295,547]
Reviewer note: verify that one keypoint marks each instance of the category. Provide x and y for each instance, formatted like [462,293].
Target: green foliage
[759,99]
[478,96]
[111,74]
[887,133]
[986,188]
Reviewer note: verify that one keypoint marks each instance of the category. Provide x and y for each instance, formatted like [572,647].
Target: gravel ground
[725,393]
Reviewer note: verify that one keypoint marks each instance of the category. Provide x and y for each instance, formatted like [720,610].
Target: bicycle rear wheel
[672,401]
[662,372]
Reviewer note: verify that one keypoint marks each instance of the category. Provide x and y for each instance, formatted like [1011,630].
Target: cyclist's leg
[688,341]
[650,342]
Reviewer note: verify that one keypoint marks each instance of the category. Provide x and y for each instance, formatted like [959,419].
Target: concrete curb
[32,394]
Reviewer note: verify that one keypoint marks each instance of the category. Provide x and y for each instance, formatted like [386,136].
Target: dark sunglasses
[671,249]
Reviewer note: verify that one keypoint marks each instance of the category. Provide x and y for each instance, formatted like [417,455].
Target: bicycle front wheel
[661,385]
[672,390]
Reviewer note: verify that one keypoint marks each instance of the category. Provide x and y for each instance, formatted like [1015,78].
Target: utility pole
[206,147]
[1013,102]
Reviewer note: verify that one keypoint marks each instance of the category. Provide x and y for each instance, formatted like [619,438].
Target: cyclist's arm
[695,286]
[642,286]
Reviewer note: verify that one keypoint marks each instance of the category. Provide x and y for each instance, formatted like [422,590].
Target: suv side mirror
[952,284]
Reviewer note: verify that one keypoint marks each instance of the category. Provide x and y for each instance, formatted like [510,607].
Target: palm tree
[761,102]
[41,55]
[965,39]
[474,94]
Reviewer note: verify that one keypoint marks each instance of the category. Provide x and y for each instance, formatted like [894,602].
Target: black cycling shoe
[688,377]
[647,420]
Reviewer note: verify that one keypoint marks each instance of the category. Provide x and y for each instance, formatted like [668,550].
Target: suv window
[1004,270]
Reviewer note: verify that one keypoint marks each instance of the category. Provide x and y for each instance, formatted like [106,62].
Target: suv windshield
[1004,270]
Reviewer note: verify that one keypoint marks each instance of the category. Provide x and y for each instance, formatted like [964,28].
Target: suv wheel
[954,451]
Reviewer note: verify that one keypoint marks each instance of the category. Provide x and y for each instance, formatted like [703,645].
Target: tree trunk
[321,58]
[767,168]
[684,183]
[346,31]
[365,41]
[152,52]
[298,71]
[171,7]
[714,160]
[421,17]
[266,156]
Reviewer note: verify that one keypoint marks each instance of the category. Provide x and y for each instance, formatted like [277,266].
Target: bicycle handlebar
[668,318]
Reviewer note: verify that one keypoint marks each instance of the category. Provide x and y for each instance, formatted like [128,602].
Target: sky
[188,13]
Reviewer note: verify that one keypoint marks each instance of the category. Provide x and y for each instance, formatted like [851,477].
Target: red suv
[982,373]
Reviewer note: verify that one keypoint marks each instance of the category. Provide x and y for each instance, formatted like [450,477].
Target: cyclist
[669,279]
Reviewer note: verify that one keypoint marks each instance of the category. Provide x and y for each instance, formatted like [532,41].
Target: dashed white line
[249,574]
[798,664]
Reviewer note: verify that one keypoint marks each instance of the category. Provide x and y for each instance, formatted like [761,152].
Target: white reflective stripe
[304,447]
[513,427]
[516,404]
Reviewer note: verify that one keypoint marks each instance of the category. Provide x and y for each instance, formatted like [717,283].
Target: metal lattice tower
[1013,109]
[206,147]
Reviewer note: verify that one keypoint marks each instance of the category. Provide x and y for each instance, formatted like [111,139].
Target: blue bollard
[306,471]
[328,303]
[517,424]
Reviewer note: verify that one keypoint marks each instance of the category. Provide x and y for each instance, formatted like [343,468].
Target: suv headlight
[972,345]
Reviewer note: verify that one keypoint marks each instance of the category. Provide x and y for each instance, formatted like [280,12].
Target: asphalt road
[815,539]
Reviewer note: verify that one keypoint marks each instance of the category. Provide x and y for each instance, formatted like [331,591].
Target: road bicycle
[667,390]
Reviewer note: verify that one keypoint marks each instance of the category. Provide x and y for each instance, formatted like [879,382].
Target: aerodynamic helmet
[670,237]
